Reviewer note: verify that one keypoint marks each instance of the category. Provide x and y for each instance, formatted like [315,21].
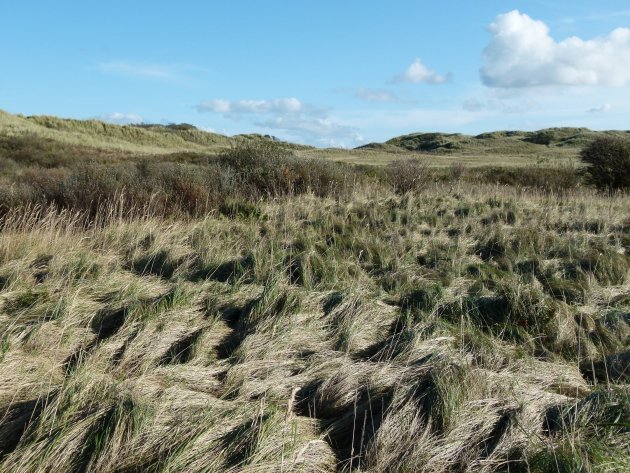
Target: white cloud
[119,118]
[417,72]
[323,131]
[288,117]
[601,109]
[282,105]
[522,53]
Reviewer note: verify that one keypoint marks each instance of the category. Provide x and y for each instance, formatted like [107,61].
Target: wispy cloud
[473,105]
[599,16]
[495,103]
[417,72]
[391,122]
[318,130]
[601,109]
[164,72]
[281,105]
[288,117]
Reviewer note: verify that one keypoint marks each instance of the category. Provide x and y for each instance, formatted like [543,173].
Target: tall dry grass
[481,329]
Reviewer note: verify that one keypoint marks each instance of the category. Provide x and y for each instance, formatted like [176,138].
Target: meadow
[237,304]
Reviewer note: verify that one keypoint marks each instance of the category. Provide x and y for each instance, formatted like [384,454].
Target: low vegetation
[249,310]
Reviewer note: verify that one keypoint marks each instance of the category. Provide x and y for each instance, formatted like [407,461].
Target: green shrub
[542,137]
[264,168]
[546,178]
[608,163]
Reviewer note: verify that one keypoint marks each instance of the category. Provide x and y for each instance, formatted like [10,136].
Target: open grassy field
[543,157]
[257,311]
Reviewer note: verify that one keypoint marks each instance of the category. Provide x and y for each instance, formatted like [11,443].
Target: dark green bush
[608,163]
[549,179]
[542,137]
[264,168]
[259,167]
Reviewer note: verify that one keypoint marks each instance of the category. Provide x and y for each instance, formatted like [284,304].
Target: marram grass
[485,329]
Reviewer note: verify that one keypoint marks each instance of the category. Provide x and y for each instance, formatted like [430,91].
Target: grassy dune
[485,330]
[544,148]
[259,308]
[552,147]
[100,135]
[125,139]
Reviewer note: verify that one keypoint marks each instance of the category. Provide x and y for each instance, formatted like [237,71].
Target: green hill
[498,142]
[63,140]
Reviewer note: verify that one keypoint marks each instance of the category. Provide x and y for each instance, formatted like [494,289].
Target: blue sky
[338,73]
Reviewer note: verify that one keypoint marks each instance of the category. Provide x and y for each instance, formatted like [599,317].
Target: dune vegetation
[250,309]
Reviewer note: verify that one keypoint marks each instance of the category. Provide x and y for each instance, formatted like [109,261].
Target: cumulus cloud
[119,118]
[522,53]
[289,117]
[417,72]
[601,109]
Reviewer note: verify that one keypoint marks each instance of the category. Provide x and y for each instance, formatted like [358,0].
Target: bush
[408,175]
[260,167]
[179,183]
[608,163]
[264,168]
[548,179]
[542,137]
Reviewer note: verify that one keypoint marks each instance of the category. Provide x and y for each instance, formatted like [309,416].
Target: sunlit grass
[373,332]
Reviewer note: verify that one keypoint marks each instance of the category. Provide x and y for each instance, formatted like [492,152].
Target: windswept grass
[94,134]
[481,329]
[178,301]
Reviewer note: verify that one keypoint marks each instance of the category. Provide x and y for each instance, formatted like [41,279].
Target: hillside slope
[134,139]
